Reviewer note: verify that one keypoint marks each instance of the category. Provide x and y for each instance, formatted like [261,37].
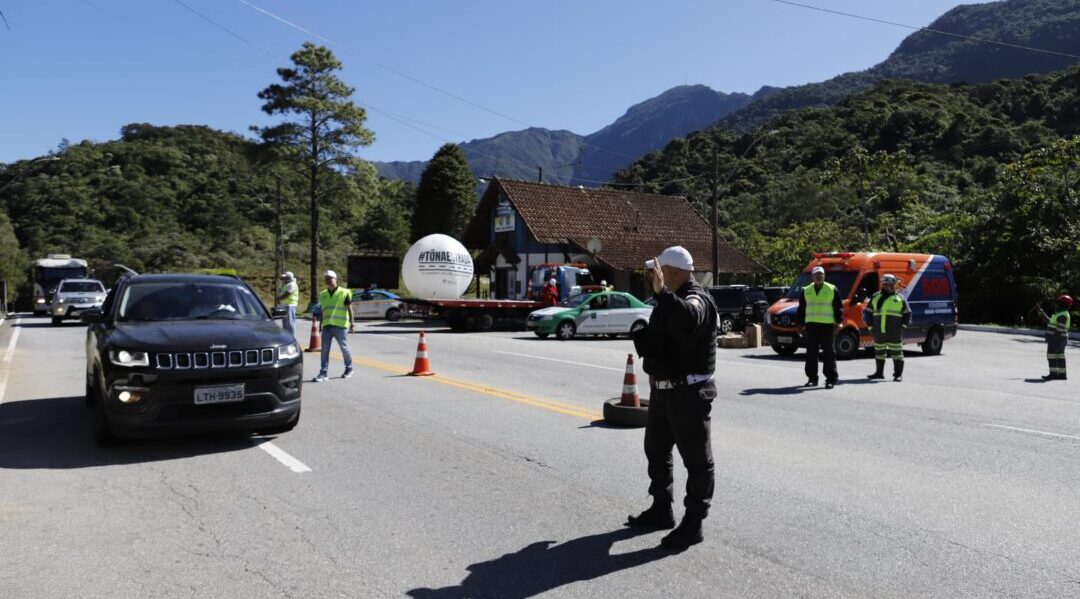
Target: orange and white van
[926,280]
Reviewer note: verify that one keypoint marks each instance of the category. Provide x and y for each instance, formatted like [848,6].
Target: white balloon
[437,267]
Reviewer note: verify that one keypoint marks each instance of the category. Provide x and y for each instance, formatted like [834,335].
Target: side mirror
[279,312]
[93,316]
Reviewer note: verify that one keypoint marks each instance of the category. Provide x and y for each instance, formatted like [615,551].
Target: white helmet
[888,279]
[329,275]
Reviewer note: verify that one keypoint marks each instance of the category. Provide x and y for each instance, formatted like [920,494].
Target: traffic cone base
[630,395]
[315,342]
[421,367]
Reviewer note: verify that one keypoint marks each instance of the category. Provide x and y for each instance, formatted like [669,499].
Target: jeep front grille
[215,359]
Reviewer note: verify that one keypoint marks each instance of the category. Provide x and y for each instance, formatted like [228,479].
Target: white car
[74,296]
[609,313]
[376,303]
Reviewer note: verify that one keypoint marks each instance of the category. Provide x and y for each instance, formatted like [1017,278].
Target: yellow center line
[536,402]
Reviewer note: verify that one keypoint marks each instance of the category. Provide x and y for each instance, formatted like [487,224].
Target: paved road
[492,480]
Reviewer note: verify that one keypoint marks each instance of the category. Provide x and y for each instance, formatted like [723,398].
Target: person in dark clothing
[819,318]
[679,351]
[888,316]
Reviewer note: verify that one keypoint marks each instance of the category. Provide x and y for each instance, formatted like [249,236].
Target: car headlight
[289,351]
[41,300]
[123,357]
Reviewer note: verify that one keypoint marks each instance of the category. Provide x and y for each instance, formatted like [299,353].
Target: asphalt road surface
[492,479]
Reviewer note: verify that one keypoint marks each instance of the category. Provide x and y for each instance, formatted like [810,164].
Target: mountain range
[963,54]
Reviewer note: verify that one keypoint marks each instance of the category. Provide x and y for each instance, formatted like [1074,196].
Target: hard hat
[816,270]
[551,282]
[888,279]
[329,275]
[675,257]
[1065,299]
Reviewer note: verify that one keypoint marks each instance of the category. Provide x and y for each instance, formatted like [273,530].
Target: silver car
[75,295]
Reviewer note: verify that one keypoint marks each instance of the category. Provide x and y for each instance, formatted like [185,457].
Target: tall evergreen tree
[323,126]
[446,196]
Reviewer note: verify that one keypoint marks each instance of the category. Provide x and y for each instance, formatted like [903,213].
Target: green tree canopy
[446,197]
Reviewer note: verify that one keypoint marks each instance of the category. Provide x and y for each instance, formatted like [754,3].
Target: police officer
[819,317]
[289,296]
[335,314]
[679,351]
[1057,337]
[888,315]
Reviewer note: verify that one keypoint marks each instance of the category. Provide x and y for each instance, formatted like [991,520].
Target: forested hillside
[986,174]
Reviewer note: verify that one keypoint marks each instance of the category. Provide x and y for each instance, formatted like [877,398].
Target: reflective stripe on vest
[1057,328]
[819,305]
[891,306]
[294,294]
[334,311]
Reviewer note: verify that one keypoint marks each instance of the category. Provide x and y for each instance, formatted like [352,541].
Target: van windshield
[842,279]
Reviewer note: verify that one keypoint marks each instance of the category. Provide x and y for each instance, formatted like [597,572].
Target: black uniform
[820,335]
[680,343]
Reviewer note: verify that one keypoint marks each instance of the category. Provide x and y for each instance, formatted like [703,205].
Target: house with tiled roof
[521,224]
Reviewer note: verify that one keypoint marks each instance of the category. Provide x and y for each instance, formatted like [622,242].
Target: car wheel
[56,320]
[393,315]
[785,349]
[541,334]
[725,324]
[103,434]
[934,340]
[566,330]
[847,345]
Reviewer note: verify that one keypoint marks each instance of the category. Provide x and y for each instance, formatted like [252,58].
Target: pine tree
[446,197]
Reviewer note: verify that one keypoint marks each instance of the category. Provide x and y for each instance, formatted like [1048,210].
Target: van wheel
[934,340]
[725,324]
[566,330]
[785,349]
[847,345]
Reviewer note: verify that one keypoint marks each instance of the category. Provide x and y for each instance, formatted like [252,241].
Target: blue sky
[81,69]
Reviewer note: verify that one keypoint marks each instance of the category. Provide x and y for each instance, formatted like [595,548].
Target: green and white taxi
[609,313]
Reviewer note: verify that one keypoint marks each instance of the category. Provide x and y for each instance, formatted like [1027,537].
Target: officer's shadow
[544,566]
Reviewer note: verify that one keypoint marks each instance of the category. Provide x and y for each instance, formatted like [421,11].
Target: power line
[4,19]
[224,28]
[927,29]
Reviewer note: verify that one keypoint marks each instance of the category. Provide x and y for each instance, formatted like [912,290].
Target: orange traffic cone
[315,343]
[630,395]
[421,367]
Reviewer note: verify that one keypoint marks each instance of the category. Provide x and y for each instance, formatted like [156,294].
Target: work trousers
[820,337]
[1055,354]
[890,343]
[289,322]
[329,333]
[679,418]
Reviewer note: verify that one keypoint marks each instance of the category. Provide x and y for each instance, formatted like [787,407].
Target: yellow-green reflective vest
[294,293]
[1057,328]
[819,303]
[891,306]
[335,313]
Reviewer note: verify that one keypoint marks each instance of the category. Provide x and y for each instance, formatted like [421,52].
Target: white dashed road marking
[510,353]
[282,456]
[1031,431]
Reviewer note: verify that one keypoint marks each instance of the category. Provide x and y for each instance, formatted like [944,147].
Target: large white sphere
[437,267]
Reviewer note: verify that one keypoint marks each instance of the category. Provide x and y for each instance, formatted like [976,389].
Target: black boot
[879,371]
[657,517]
[688,533]
[898,371]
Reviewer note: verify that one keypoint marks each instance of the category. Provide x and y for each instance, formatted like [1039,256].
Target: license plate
[785,340]
[205,395]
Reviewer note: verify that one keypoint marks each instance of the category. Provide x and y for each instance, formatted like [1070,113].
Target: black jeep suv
[177,354]
[738,306]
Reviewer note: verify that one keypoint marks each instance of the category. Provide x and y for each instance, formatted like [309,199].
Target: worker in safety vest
[819,317]
[888,315]
[336,317]
[1057,337]
[289,296]
[549,295]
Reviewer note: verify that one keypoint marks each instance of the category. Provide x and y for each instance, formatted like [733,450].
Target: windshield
[842,279]
[189,301]
[51,276]
[82,287]
[574,300]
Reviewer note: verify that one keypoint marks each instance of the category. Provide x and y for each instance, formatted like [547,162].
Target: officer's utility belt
[690,379]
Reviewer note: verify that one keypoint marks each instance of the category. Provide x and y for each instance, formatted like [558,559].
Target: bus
[46,274]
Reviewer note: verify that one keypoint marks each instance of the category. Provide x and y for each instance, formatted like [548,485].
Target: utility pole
[279,251]
[540,175]
[715,216]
